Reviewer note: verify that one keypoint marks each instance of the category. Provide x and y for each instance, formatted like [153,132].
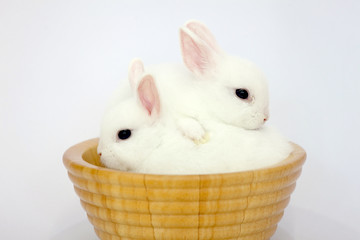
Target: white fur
[205,89]
[127,155]
[230,149]
[193,103]
[157,146]
[220,75]
[185,96]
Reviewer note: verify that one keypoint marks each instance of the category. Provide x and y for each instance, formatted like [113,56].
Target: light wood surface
[122,205]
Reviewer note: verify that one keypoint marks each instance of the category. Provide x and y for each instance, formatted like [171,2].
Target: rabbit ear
[197,55]
[136,70]
[200,30]
[148,94]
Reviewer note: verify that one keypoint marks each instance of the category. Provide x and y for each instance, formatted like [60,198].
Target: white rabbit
[136,136]
[235,89]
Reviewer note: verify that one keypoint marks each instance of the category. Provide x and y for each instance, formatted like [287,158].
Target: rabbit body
[230,149]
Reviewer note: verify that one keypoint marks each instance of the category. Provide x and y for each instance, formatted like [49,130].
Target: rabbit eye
[124,134]
[242,93]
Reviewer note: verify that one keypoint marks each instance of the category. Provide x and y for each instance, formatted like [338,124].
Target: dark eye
[124,134]
[242,93]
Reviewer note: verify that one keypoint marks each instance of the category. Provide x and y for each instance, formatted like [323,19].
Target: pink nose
[266,116]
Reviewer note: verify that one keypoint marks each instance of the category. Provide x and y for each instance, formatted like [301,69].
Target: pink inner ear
[148,94]
[203,33]
[196,55]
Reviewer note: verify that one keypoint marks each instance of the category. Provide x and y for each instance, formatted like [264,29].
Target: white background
[60,60]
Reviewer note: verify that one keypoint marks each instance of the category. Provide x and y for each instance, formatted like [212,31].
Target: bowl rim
[74,162]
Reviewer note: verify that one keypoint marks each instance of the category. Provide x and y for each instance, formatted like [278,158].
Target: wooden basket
[122,205]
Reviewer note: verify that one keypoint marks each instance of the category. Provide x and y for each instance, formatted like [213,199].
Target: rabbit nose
[266,117]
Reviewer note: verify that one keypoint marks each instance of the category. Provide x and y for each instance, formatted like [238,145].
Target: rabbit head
[130,130]
[235,88]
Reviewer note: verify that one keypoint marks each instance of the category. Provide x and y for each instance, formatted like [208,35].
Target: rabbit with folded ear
[235,88]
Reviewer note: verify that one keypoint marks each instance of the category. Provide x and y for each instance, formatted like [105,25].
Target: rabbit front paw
[192,129]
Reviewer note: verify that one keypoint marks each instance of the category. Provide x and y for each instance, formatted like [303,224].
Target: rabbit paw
[192,129]
[203,140]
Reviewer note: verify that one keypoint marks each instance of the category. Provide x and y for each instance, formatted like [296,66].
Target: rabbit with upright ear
[235,88]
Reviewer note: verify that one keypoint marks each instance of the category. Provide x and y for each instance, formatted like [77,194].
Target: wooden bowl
[124,205]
